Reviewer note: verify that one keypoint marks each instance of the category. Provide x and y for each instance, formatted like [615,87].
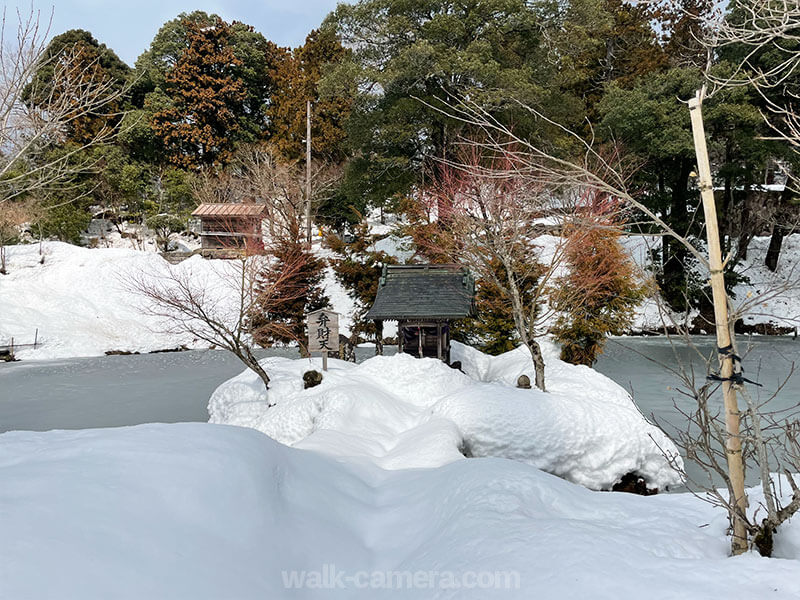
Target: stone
[633,483]
[347,350]
[524,382]
[311,379]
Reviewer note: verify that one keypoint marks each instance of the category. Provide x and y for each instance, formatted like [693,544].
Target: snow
[82,304]
[401,412]
[80,300]
[364,474]
[772,297]
[401,248]
[201,511]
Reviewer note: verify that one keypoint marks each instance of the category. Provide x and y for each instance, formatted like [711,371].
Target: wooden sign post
[323,333]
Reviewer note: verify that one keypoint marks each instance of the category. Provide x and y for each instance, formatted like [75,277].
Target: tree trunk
[774,250]
[247,357]
[538,363]
[778,233]
[673,283]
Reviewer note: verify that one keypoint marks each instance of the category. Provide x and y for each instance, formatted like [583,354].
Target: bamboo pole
[733,442]
[308,172]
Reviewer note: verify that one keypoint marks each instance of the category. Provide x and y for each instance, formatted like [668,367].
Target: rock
[456,364]
[524,382]
[311,379]
[634,483]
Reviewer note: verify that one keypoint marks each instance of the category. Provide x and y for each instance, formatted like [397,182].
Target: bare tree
[764,35]
[768,438]
[490,220]
[12,217]
[221,313]
[541,168]
[258,174]
[760,26]
[36,115]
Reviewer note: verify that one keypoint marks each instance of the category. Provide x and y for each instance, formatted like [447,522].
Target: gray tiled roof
[424,292]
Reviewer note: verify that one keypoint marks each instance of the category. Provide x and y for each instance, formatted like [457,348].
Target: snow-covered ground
[81,300]
[82,304]
[765,298]
[771,297]
[369,494]
[196,512]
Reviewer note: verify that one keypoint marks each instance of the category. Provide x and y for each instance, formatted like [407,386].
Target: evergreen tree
[598,296]
[358,267]
[295,276]
[411,55]
[297,78]
[203,125]
[89,60]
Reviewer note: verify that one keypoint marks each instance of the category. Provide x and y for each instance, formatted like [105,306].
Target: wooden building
[424,299]
[230,229]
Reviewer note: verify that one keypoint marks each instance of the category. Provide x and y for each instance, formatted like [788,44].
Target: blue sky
[128,26]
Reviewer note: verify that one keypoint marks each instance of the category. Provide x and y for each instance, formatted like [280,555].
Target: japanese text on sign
[323,331]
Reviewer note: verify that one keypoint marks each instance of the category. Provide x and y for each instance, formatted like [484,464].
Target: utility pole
[733,441]
[308,172]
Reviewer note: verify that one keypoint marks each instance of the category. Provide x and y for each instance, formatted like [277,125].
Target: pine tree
[358,268]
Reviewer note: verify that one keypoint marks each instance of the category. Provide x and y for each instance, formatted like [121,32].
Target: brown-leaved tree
[200,127]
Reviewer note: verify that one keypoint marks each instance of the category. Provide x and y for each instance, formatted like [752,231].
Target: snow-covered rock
[402,412]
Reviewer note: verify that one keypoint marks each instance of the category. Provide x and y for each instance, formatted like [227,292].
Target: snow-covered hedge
[402,412]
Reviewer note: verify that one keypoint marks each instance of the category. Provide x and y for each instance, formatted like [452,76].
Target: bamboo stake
[308,172]
[733,442]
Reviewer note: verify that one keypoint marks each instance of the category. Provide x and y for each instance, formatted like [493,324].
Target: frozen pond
[639,365]
[112,391]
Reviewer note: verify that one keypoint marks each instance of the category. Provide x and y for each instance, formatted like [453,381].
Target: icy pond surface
[640,366]
[111,391]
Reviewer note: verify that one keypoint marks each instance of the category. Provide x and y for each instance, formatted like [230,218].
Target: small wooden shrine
[424,299]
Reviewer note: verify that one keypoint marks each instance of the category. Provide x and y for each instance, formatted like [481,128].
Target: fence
[7,350]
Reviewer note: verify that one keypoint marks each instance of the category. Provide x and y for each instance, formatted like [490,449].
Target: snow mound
[203,512]
[401,412]
[82,303]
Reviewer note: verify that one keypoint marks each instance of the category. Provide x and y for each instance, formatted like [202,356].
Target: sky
[128,26]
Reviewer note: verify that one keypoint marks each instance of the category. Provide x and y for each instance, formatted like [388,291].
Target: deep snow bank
[78,301]
[81,300]
[196,511]
[402,412]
